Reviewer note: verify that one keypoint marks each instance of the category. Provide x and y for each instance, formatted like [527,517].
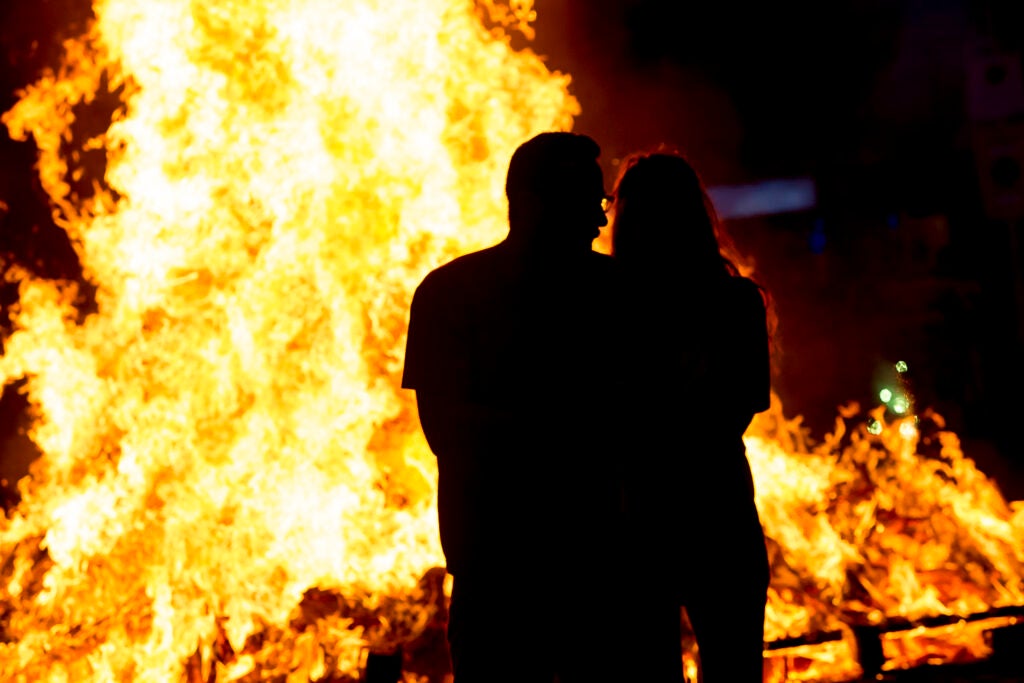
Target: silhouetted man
[506,353]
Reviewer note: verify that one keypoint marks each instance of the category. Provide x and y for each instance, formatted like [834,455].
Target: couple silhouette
[587,414]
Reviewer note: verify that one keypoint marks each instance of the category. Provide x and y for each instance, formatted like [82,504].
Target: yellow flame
[869,527]
[224,430]
[231,484]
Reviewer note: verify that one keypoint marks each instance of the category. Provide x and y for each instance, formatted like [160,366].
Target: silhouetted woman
[701,370]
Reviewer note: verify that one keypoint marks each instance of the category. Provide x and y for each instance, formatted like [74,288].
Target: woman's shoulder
[741,285]
[746,292]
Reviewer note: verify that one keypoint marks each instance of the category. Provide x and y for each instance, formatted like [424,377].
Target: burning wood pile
[231,485]
[925,559]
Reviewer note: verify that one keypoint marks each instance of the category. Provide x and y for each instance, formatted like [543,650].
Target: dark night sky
[867,97]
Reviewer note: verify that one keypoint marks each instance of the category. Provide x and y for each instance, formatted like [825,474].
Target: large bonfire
[231,485]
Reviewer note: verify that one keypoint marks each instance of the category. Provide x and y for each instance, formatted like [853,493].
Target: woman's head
[663,217]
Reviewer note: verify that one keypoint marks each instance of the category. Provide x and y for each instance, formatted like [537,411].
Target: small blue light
[817,239]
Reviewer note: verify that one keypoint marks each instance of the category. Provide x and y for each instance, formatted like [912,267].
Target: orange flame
[225,430]
[883,521]
[221,429]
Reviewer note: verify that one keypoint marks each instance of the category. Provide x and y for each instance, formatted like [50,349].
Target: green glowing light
[885,395]
[875,427]
[901,366]
[899,405]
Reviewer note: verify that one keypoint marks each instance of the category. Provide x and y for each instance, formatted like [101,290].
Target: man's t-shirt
[530,339]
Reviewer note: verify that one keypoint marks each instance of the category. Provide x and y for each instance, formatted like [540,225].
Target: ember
[231,485]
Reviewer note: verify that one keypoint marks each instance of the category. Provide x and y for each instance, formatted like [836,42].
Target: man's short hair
[544,163]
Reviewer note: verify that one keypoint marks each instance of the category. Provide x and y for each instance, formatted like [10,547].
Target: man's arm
[438,367]
[456,425]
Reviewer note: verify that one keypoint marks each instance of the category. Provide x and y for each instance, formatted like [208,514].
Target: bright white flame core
[225,431]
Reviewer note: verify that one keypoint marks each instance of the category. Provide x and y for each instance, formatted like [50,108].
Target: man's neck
[531,248]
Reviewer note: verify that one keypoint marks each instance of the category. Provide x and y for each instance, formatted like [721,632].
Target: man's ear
[527,207]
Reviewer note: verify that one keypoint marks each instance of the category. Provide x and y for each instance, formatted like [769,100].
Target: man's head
[555,191]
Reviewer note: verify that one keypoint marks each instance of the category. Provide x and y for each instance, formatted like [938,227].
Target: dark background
[903,112]
[906,116]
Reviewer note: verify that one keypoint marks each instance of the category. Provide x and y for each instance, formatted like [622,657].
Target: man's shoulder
[457,271]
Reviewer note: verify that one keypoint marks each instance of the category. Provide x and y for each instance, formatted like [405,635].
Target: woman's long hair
[664,219]
[666,231]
